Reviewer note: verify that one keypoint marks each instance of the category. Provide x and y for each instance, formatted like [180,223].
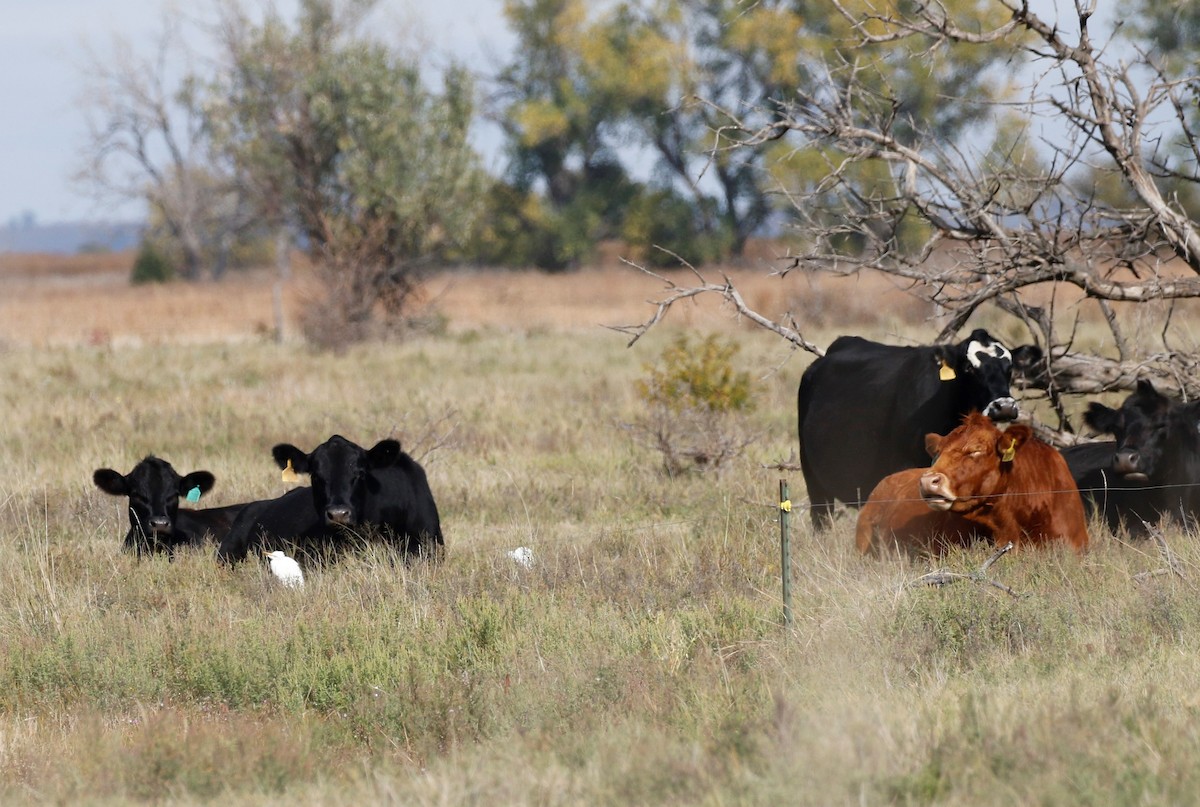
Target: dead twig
[944,577]
[1173,565]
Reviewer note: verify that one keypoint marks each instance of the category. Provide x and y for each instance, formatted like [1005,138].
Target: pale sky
[42,45]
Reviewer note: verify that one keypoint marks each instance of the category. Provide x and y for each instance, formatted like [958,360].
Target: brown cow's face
[971,466]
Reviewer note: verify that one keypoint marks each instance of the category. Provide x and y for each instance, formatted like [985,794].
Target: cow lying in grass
[896,518]
[156,522]
[1151,469]
[984,482]
[356,495]
[1008,481]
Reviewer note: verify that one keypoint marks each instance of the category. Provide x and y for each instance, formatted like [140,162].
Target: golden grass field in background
[87,299]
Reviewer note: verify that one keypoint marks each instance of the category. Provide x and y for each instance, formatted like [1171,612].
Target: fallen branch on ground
[944,577]
[1173,565]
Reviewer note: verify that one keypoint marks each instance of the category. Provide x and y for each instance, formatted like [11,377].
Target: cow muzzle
[339,515]
[1128,463]
[935,490]
[160,525]
[1002,410]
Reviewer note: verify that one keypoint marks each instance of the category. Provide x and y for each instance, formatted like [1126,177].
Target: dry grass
[639,661]
[52,300]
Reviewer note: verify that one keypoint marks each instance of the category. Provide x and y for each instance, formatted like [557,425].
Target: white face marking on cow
[995,350]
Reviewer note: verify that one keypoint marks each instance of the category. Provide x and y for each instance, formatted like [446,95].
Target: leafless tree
[148,141]
[1018,223]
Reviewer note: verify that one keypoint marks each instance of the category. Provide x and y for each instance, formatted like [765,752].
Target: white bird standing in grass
[522,555]
[286,569]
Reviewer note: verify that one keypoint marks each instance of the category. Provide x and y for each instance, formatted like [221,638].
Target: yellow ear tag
[1009,453]
[289,473]
[946,373]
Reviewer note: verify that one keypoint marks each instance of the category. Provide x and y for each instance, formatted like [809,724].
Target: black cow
[382,489]
[1151,469]
[156,524]
[865,408]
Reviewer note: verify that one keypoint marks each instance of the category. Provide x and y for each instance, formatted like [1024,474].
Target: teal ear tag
[193,495]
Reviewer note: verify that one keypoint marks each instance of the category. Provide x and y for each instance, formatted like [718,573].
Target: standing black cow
[865,408]
[156,524]
[1151,469]
[382,489]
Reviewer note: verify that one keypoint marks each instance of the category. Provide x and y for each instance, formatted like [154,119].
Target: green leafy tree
[341,136]
[559,117]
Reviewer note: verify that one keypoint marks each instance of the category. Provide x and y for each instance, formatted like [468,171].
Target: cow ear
[285,453]
[1026,361]
[110,482]
[933,444]
[945,360]
[1102,419]
[1012,439]
[384,453]
[196,479]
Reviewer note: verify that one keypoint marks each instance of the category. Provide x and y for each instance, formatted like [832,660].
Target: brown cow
[896,517]
[1008,481]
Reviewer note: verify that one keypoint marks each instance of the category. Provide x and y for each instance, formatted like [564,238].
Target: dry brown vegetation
[641,660]
[66,300]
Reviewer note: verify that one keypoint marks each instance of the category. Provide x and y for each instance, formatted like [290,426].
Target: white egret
[522,555]
[285,569]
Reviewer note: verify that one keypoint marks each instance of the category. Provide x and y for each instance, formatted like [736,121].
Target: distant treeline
[70,237]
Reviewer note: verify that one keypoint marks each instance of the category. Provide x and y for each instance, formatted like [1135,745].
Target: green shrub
[695,399]
[151,266]
[697,378]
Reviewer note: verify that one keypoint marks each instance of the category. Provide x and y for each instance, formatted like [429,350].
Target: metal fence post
[785,550]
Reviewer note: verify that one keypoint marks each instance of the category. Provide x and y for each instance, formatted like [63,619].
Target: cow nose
[338,515]
[1127,461]
[935,486]
[1002,409]
[160,524]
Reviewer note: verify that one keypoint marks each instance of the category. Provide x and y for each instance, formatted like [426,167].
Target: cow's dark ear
[1101,418]
[933,444]
[384,453]
[285,453]
[1148,399]
[1011,440]
[110,482]
[1027,360]
[196,479]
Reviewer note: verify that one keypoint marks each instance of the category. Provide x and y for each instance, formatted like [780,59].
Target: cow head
[984,367]
[1142,428]
[340,472]
[153,488]
[971,464]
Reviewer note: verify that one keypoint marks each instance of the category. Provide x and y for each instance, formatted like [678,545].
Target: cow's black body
[156,523]
[355,495]
[1151,470]
[865,408]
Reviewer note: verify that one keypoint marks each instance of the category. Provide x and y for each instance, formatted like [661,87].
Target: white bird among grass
[285,569]
[522,555]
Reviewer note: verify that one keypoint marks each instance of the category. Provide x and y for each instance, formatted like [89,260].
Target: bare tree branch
[976,223]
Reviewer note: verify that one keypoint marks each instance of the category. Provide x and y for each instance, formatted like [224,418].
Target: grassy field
[641,660]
